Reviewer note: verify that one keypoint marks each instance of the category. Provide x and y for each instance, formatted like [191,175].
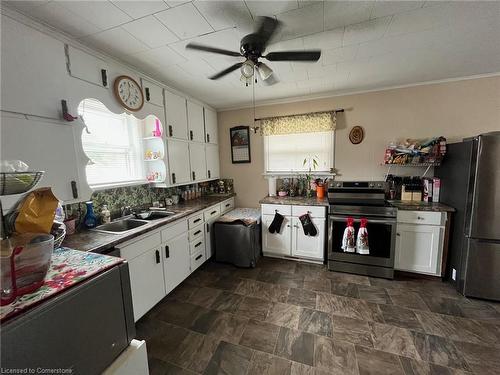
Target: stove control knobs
[338,184]
[371,185]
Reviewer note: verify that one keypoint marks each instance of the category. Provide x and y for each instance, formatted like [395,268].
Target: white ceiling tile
[270,8]
[197,67]
[418,20]
[138,9]
[328,39]
[305,3]
[115,41]
[342,13]
[61,18]
[319,71]
[336,55]
[286,45]
[101,13]
[366,31]
[224,14]
[301,22]
[150,31]
[25,6]
[383,8]
[162,56]
[185,21]
[174,3]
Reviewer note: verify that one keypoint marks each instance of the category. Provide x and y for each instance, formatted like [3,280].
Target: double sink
[128,223]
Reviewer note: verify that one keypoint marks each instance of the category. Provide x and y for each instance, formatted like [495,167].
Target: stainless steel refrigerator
[470,182]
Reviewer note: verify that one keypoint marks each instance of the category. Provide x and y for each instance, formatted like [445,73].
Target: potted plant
[312,162]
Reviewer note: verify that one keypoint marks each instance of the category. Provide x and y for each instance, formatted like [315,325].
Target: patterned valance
[303,123]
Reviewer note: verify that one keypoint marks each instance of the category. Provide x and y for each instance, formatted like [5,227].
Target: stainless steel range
[358,200]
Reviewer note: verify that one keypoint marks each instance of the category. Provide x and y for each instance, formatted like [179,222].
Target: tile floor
[285,317]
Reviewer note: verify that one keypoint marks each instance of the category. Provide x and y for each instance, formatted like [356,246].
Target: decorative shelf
[148,160]
[150,138]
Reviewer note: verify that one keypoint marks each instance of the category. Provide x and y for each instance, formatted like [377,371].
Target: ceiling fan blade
[312,55]
[227,71]
[267,28]
[220,51]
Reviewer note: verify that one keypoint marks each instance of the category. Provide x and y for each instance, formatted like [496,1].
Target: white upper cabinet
[210,125]
[177,125]
[153,93]
[33,71]
[87,67]
[196,125]
[178,160]
[50,146]
[212,152]
[198,161]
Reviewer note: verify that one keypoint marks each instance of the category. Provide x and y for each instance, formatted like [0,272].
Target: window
[113,145]
[286,153]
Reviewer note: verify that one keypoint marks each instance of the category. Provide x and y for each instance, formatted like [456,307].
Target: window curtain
[295,124]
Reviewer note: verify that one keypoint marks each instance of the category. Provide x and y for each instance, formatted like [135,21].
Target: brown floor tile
[482,359]
[301,297]
[260,336]
[438,350]
[165,343]
[179,313]
[247,273]
[407,298]
[338,357]
[182,292]
[346,278]
[159,367]
[309,269]
[274,264]
[229,359]
[204,321]
[259,289]
[291,280]
[253,308]
[269,276]
[350,307]
[228,327]
[352,330]
[227,302]
[317,322]
[394,340]
[295,345]
[345,289]
[202,353]
[187,351]
[267,364]
[201,278]
[204,296]
[227,283]
[414,367]
[284,314]
[400,317]
[318,285]
[376,362]
[443,305]
[374,294]
[479,310]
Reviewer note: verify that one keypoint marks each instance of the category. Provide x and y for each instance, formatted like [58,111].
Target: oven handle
[370,220]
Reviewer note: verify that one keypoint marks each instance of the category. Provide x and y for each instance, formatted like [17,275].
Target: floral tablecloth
[68,267]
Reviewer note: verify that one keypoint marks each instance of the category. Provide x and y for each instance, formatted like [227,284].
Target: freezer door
[485,204]
[482,278]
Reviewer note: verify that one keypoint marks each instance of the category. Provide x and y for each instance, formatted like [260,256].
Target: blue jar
[90,220]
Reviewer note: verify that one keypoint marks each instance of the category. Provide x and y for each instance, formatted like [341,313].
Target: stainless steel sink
[120,226]
[153,215]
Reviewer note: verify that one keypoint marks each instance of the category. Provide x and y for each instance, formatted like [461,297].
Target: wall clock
[356,135]
[129,93]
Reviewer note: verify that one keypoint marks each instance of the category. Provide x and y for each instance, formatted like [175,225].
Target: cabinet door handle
[195,221]
[197,232]
[194,175]
[157,254]
[420,218]
[173,178]
[148,97]
[208,228]
[74,189]
[104,77]
[397,234]
[208,138]
[167,252]
[228,204]
[209,173]
[170,130]
[191,136]
[213,212]
[198,244]
[295,226]
[288,225]
[198,257]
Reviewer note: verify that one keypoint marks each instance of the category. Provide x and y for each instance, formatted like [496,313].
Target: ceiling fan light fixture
[247,69]
[264,71]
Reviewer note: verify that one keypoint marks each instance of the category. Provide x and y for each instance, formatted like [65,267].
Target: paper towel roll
[272,186]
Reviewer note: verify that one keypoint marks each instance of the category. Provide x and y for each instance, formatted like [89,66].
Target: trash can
[237,237]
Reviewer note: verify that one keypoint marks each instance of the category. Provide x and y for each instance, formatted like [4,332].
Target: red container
[320,191]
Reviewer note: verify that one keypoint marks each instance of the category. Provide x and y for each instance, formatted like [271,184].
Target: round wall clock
[356,135]
[129,93]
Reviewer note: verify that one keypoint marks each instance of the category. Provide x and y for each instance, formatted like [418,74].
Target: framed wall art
[240,144]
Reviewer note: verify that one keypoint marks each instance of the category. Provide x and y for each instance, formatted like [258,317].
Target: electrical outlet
[453,274]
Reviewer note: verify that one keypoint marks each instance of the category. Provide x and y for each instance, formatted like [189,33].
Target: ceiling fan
[252,48]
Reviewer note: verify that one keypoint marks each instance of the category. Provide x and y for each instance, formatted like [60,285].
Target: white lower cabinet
[291,240]
[419,247]
[146,281]
[308,246]
[176,262]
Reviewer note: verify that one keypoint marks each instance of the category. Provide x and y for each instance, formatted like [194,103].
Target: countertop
[91,240]
[296,201]
[400,205]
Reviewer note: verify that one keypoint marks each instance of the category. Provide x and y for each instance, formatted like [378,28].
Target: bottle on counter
[90,220]
[105,214]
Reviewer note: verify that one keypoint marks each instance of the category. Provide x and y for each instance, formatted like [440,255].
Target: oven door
[381,240]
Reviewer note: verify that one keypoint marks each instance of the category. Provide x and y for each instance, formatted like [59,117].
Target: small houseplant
[312,163]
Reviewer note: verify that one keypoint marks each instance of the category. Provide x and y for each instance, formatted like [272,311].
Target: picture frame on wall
[240,144]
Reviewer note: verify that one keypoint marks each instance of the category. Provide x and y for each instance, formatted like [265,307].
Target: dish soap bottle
[90,220]
[105,214]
